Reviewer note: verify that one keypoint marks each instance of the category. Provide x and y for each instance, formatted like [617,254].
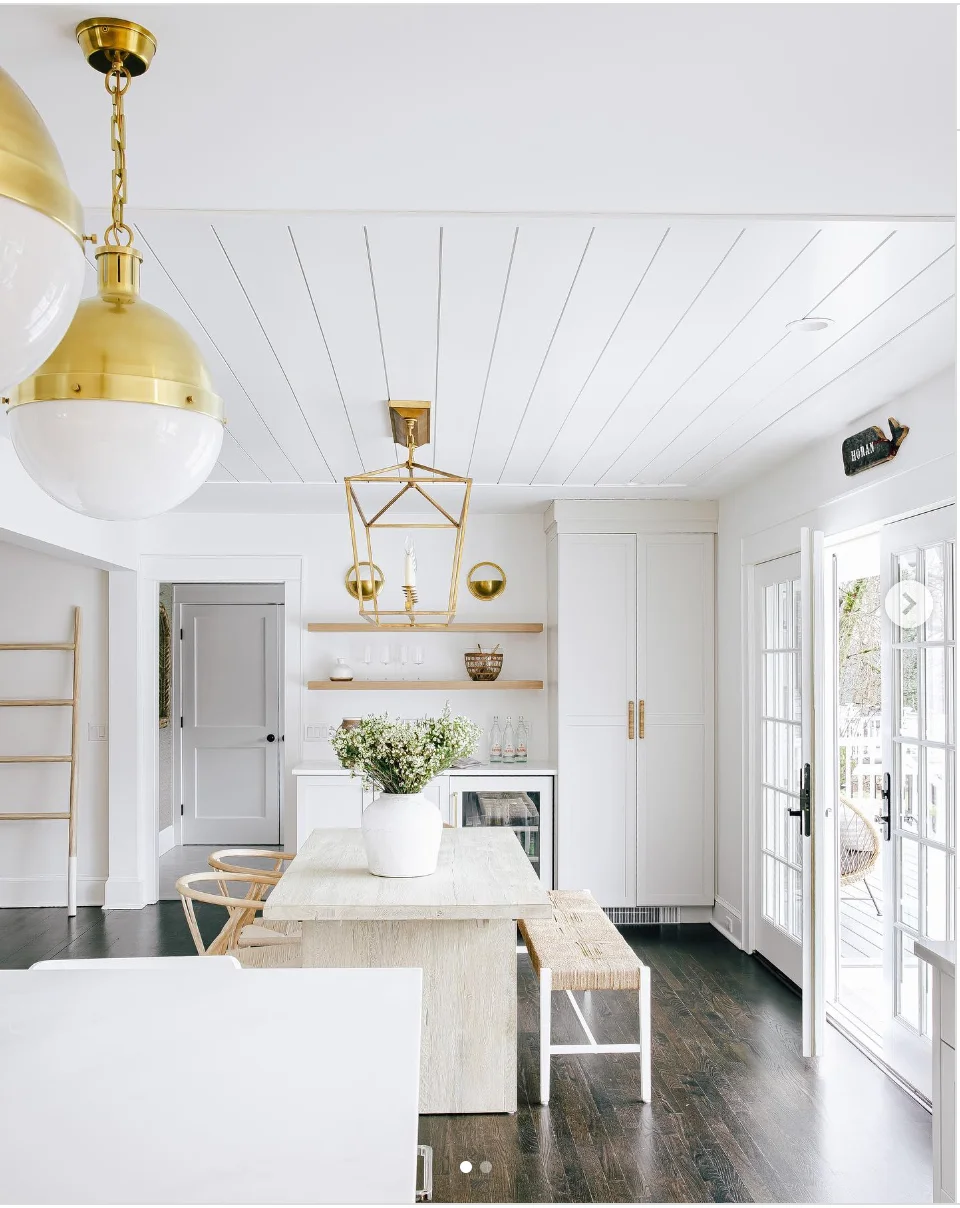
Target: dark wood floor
[737,1114]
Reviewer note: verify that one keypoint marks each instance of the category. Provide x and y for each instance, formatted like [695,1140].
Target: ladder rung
[26,704]
[36,646]
[32,817]
[36,759]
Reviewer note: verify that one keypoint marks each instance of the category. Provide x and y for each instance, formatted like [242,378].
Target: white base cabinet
[941,955]
[631,671]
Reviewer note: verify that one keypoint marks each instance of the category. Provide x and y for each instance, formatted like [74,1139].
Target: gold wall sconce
[489,585]
[364,587]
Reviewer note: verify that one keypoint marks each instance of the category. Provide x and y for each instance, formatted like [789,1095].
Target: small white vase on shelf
[342,671]
[401,835]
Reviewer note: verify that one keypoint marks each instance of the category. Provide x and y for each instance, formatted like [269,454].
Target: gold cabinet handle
[630,719]
[641,711]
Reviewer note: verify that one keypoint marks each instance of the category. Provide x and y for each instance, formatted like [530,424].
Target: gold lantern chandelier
[410,424]
[121,421]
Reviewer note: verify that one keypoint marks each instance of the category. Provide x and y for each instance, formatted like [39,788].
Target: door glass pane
[771,807]
[935,894]
[908,981]
[770,685]
[907,571]
[907,718]
[769,753]
[785,686]
[770,630]
[783,616]
[796,917]
[934,694]
[909,787]
[797,616]
[933,577]
[936,795]
[769,888]
[908,874]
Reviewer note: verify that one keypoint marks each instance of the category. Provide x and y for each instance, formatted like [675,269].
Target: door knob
[271,737]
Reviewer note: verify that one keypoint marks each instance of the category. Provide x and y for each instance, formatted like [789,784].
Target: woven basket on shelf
[483,666]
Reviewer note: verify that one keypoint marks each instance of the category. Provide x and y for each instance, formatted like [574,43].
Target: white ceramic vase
[401,835]
[341,672]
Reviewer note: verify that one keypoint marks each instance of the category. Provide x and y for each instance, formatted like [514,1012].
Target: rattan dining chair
[255,945]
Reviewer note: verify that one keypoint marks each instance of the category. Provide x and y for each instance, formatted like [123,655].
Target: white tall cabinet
[631,625]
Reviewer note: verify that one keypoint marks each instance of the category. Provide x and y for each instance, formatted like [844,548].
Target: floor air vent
[626,915]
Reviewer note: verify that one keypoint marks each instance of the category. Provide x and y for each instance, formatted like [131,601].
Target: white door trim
[228,568]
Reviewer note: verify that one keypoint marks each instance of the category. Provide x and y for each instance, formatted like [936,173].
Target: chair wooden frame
[219,860]
[240,911]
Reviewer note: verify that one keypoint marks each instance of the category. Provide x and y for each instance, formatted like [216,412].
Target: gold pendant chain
[117,81]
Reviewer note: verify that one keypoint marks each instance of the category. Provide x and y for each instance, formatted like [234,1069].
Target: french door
[788,896]
[918,818]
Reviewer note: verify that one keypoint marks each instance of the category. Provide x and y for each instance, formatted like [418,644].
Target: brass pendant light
[41,241]
[410,422]
[122,420]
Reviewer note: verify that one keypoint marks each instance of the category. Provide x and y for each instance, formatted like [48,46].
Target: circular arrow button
[908,604]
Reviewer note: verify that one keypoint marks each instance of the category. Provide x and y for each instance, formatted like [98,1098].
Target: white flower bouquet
[404,756]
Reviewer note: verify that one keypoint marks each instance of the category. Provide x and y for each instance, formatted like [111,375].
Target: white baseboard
[166,840]
[123,893]
[727,935]
[728,921]
[50,889]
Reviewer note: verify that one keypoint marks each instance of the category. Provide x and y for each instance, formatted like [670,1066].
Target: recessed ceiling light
[810,323]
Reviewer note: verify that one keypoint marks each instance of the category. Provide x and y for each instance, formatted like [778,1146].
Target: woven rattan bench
[580,949]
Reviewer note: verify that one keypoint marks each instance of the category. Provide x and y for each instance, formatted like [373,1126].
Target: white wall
[37,597]
[762,520]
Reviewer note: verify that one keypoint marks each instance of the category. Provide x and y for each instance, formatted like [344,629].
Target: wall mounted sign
[872,447]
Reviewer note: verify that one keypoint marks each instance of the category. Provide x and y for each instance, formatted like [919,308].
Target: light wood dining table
[459,926]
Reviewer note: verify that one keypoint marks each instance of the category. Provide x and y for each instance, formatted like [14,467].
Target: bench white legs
[547,1048]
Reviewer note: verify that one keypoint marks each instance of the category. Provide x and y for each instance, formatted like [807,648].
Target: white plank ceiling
[559,352]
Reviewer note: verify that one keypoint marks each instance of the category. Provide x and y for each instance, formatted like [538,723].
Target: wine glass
[404,654]
[418,658]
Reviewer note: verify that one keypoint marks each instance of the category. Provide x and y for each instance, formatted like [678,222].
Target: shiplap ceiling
[289,209]
[570,353]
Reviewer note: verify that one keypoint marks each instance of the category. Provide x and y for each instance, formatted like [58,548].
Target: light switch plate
[96,733]
[313,733]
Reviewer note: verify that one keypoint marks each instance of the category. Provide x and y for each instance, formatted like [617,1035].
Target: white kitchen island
[458,926]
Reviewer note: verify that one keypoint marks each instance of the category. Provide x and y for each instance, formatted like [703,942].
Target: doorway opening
[220,765]
[860,850]
[891,821]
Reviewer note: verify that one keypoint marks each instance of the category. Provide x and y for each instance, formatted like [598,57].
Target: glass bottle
[521,756]
[496,742]
[509,743]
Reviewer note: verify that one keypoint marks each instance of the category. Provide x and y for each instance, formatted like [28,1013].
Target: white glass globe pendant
[121,421]
[41,241]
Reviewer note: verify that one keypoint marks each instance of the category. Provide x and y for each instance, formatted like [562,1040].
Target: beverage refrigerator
[522,803]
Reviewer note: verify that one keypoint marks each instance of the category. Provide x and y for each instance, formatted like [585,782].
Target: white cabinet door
[327,801]
[675,719]
[596,701]
[438,791]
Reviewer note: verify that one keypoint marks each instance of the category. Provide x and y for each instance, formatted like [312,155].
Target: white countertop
[941,953]
[330,768]
[482,873]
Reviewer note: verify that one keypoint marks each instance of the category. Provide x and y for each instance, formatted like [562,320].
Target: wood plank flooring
[737,1114]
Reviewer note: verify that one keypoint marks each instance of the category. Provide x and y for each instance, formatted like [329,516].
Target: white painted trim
[215,568]
[727,935]
[631,516]
[49,889]
[227,593]
[728,907]
[165,841]
[123,893]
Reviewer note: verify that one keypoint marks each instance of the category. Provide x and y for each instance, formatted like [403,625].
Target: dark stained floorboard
[738,1116]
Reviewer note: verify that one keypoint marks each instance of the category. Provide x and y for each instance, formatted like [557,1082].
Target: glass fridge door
[518,810]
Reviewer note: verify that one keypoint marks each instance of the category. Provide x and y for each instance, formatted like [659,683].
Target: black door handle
[884,817]
[803,813]
[271,737]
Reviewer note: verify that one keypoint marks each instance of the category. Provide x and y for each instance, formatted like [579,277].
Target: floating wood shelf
[423,685]
[462,627]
